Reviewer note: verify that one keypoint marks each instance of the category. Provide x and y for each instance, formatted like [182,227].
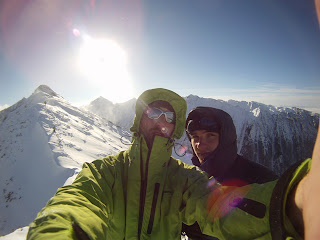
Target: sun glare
[104,63]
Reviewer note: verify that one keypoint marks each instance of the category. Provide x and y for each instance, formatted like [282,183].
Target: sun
[104,63]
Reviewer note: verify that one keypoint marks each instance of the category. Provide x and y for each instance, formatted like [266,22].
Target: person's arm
[308,192]
[228,212]
[79,209]
[305,200]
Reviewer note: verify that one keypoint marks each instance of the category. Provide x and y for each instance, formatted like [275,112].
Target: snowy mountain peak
[45,95]
[192,96]
[45,89]
[102,101]
[120,114]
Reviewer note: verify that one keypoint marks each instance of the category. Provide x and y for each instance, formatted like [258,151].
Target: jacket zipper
[143,189]
[153,207]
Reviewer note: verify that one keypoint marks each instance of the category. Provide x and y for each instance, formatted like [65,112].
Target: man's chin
[202,157]
[161,135]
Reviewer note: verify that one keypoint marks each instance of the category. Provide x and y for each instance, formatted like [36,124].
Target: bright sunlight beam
[104,63]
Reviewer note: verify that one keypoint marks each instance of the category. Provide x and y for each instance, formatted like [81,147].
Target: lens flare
[164,130]
[76,32]
[224,199]
[235,182]
[212,182]
[182,149]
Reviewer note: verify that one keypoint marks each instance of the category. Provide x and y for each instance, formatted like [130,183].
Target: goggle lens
[155,113]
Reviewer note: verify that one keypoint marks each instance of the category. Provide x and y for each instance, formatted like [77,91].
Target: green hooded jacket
[145,193]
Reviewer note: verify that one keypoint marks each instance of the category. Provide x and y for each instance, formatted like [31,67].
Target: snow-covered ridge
[44,141]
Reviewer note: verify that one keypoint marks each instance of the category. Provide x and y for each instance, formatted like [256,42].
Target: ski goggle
[155,113]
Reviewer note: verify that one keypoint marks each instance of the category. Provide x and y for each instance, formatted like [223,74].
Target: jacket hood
[224,156]
[178,104]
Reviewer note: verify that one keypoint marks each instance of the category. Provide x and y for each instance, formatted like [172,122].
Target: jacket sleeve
[280,225]
[80,206]
[229,212]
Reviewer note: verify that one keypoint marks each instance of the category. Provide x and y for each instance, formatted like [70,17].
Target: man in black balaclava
[213,138]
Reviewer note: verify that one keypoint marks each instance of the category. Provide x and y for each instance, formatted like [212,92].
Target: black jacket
[224,164]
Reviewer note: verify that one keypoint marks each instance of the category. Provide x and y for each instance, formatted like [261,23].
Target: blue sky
[254,50]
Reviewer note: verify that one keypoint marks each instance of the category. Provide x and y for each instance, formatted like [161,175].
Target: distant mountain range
[275,137]
[45,140]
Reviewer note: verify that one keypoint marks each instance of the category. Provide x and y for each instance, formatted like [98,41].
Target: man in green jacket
[144,193]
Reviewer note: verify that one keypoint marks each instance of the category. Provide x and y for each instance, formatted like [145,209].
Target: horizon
[313,111]
[261,51]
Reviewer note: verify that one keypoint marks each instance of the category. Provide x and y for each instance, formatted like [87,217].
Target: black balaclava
[214,120]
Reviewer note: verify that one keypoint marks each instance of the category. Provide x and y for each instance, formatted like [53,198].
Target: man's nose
[202,143]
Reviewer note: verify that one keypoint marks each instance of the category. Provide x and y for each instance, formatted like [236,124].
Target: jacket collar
[153,160]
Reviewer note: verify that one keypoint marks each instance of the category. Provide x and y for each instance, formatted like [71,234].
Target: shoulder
[180,168]
[177,163]
[106,169]
[182,177]
[111,161]
[254,172]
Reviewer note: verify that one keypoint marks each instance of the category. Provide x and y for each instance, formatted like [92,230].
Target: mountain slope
[43,143]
